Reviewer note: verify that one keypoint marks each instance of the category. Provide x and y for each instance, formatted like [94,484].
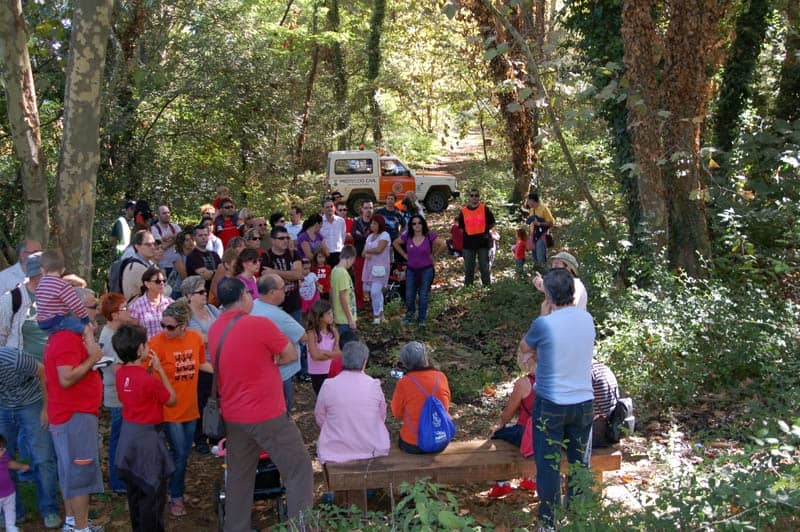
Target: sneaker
[202,448]
[376,321]
[91,527]
[176,508]
[500,490]
[527,484]
[52,521]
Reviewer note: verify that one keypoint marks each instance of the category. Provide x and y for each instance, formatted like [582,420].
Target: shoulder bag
[213,424]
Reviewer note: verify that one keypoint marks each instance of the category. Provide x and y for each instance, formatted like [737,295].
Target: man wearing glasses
[284,262]
[15,274]
[476,219]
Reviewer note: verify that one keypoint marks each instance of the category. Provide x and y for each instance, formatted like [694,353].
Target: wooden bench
[462,462]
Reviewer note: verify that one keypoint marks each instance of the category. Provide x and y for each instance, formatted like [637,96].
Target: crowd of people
[257,308]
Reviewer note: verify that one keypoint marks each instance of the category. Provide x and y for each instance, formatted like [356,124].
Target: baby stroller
[396,288]
[267,486]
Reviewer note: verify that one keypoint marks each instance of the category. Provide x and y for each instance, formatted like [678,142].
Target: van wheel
[436,200]
[355,201]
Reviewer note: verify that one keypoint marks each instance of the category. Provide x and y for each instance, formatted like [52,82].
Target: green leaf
[513,107]
[449,520]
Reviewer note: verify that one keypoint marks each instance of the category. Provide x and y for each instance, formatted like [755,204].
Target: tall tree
[339,77]
[512,90]
[788,103]
[80,147]
[23,114]
[667,105]
[374,69]
[737,77]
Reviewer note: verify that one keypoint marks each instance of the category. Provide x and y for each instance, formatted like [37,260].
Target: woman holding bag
[418,245]
[375,275]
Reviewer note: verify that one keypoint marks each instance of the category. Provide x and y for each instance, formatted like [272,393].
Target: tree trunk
[119,132]
[312,76]
[642,47]
[374,69]
[504,69]
[23,116]
[737,78]
[339,79]
[693,32]
[80,147]
[788,103]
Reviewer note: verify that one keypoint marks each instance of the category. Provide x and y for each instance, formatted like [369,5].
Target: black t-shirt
[201,259]
[284,263]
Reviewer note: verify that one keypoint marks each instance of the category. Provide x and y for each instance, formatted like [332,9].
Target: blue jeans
[483,265]
[180,437]
[64,323]
[511,433]
[288,393]
[24,421]
[553,427]
[114,482]
[298,317]
[539,251]
[418,281]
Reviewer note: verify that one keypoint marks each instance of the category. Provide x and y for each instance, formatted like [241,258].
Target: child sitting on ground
[8,494]
[58,306]
[142,459]
[520,404]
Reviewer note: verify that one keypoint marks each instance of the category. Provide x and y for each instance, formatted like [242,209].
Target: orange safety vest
[474,220]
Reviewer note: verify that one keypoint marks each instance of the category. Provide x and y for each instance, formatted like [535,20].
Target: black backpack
[117,271]
[621,421]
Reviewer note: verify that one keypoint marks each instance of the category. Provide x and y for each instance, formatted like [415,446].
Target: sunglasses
[474,195]
[169,327]
[200,292]
[158,281]
[282,238]
[123,308]
[254,238]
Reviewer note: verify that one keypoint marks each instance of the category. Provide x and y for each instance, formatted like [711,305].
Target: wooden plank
[462,462]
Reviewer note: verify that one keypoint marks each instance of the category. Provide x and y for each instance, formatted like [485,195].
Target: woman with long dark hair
[417,245]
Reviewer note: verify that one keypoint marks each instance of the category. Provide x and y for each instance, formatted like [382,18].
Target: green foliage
[681,338]
[427,506]
[423,506]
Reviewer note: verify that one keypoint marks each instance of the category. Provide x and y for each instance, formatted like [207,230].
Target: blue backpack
[436,427]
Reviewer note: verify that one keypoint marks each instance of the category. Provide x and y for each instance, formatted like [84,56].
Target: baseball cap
[129,204]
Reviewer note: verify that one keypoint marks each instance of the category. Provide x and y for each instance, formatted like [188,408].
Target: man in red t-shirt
[253,407]
[74,395]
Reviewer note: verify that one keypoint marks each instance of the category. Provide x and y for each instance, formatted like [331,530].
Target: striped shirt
[56,297]
[19,383]
[606,389]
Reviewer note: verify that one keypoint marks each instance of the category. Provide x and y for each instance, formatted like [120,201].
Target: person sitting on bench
[408,399]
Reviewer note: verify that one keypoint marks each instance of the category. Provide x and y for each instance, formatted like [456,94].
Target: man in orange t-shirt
[182,354]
